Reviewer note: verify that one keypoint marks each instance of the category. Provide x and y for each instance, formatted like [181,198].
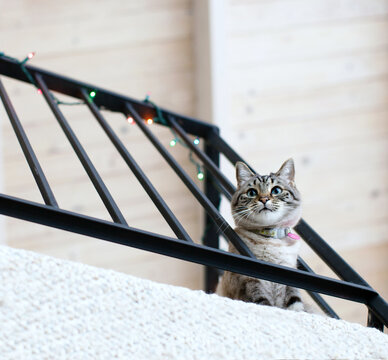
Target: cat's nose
[263,199]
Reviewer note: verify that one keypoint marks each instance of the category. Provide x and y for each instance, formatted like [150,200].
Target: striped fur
[267,201]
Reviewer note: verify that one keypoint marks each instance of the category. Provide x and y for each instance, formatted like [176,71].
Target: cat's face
[266,201]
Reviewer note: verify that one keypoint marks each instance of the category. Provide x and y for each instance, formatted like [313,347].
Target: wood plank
[88,34]
[288,107]
[304,76]
[307,43]
[74,11]
[143,60]
[254,16]
[315,133]
[349,156]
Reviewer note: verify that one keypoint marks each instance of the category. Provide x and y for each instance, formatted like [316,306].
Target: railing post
[211,233]
[374,321]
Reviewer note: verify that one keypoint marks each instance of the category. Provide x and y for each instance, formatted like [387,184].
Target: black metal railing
[351,286]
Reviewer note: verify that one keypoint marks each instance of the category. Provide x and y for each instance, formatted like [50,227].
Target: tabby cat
[265,208]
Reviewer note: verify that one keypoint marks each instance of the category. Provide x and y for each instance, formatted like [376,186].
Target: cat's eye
[251,193]
[276,190]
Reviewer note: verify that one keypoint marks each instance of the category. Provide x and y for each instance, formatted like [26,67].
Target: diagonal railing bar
[28,152]
[378,306]
[168,215]
[228,189]
[203,200]
[99,185]
[121,234]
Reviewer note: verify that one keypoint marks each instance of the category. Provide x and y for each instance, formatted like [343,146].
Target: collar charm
[278,233]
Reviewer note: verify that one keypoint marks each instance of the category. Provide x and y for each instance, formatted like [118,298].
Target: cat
[265,208]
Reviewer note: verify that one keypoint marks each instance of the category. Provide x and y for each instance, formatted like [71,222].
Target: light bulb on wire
[173,142]
[196,141]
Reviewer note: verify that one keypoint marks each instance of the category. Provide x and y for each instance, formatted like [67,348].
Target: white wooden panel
[254,16]
[313,134]
[307,43]
[300,76]
[26,14]
[104,30]
[328,101]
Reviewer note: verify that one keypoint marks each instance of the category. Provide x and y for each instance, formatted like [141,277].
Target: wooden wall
[308,79]
[131,47]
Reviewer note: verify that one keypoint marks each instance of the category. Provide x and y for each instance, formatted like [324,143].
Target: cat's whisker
[221,228]
[243,215]
[242,212]
[238,213]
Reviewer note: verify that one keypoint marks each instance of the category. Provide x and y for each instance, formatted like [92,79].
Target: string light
[159,118]
[200,174]
[31,79]
[92,94]
[150,121]
[173,142]
[130,120]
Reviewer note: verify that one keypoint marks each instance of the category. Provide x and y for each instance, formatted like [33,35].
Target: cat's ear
[287,170]
[243,173]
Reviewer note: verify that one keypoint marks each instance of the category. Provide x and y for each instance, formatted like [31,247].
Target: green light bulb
[92,94]
[200,176]
[172,142]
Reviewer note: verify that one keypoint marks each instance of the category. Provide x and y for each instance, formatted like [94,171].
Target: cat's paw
[296,306]
[262,301]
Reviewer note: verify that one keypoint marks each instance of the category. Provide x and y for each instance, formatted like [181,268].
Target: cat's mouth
[264,208]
